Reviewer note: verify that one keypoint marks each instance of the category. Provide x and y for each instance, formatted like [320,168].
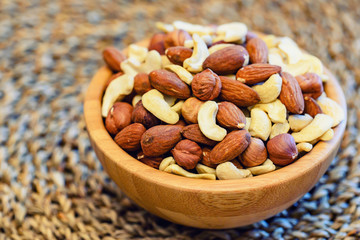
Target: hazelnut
[177,55]
[230,116]
[119,117]
[143,116]
[206,85]
[187,154]
[142,83]
[282,149]
[255,154]
[129,138]
[310,84]
[190,109]
[176,38]
[157,43]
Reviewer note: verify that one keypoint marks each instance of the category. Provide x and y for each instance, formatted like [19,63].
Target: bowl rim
[108,147]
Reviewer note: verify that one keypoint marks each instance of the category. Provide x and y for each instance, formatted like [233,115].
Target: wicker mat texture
[51,184]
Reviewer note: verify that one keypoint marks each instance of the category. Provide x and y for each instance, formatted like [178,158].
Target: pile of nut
[217,102]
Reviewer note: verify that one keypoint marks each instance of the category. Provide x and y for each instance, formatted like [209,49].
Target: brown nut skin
[177,55]
[119,117]
[238,93]
[157,43]
[112,78]
[143,116]
[113,57]
[169,83]
[129,138]
[190,109]
[255,154]
[181,123]
[176,38]
[311,106]
[282,149]
[250,35]
[230,116]
[187,154]
[205,158]
[232,146]
[160,139]
[142,83]
[310,84]
[237,164]
[206,85]
[194,133]
[153,162]
[227,60]
[258,51]
[257,72]
[291,95]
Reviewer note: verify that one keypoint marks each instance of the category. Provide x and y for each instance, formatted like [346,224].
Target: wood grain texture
[205,203]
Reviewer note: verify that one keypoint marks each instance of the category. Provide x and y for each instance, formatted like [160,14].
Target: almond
[232,146]
[250,35]
[187,154]
[194,133]
[227,60]
[282,149]
[206,159]
[177,55]
[153,162]
[256,73]
[258,51]
[237,164]
[310,84]
[143,116]
[238,93]
[113,57]
[129,138]
[311,106]
[291,95]
[176,38]
[157,43]
[160,139]
[142,83]
[119,117]
[230,116]
[190,109]
[255,154]
[169,83]
[206,85]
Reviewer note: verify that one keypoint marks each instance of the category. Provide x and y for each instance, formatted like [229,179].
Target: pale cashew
[232,32]
[154,102]
[271,41]
[177,107]
[182,73]
[206,38]
[324,77]
[165,61]
[228,170]
[304,147]
[315,129]
[135,100]
[307,64]
[176,169]
[247,124]
[270,89]
[200,168]
[137,53]
[207,121]
[279,128]
[298,122]
[166,162]
[219,46]
[276,110]
[276,57]
[116,91]
[200,53]
[170,100]
[267,166]
[328,135]
[290,49]
[193,28]
[260,124]
[331,108]
[164,27]
[133,66]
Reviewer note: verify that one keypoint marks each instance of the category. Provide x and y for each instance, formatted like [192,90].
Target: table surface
[51,184]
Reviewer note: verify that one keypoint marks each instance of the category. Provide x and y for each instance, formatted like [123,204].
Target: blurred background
[52,185]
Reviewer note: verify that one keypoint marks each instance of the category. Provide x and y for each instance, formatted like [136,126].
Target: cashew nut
[304,147]
[116,91]
[298,122]
[247,124]
[276,110]
[154,102]
[267,166]
[135,100]
[328,135]
[200,168]
[206,38]
[165,61]
[307,64]
[182,73]
[232,32]
[166,162]
[170,99]
[260,124]
[164,27]
[177,107]
[176,169]
[270,89]
[331,108]
[271,41]
[193,28]
[200,53]
[137,53]
[290,49]
[218,47]
[133,66]
[207,121]
[228,170]
[279,128]
[315,129]
[276,57]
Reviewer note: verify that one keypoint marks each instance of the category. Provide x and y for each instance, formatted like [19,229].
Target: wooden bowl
[206,203]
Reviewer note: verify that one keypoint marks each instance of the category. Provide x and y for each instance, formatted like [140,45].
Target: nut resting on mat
[217,102]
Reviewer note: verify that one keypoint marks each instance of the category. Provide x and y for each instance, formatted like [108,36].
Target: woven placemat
[51,184]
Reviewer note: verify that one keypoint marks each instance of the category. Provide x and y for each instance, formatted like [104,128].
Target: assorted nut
[217,102]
